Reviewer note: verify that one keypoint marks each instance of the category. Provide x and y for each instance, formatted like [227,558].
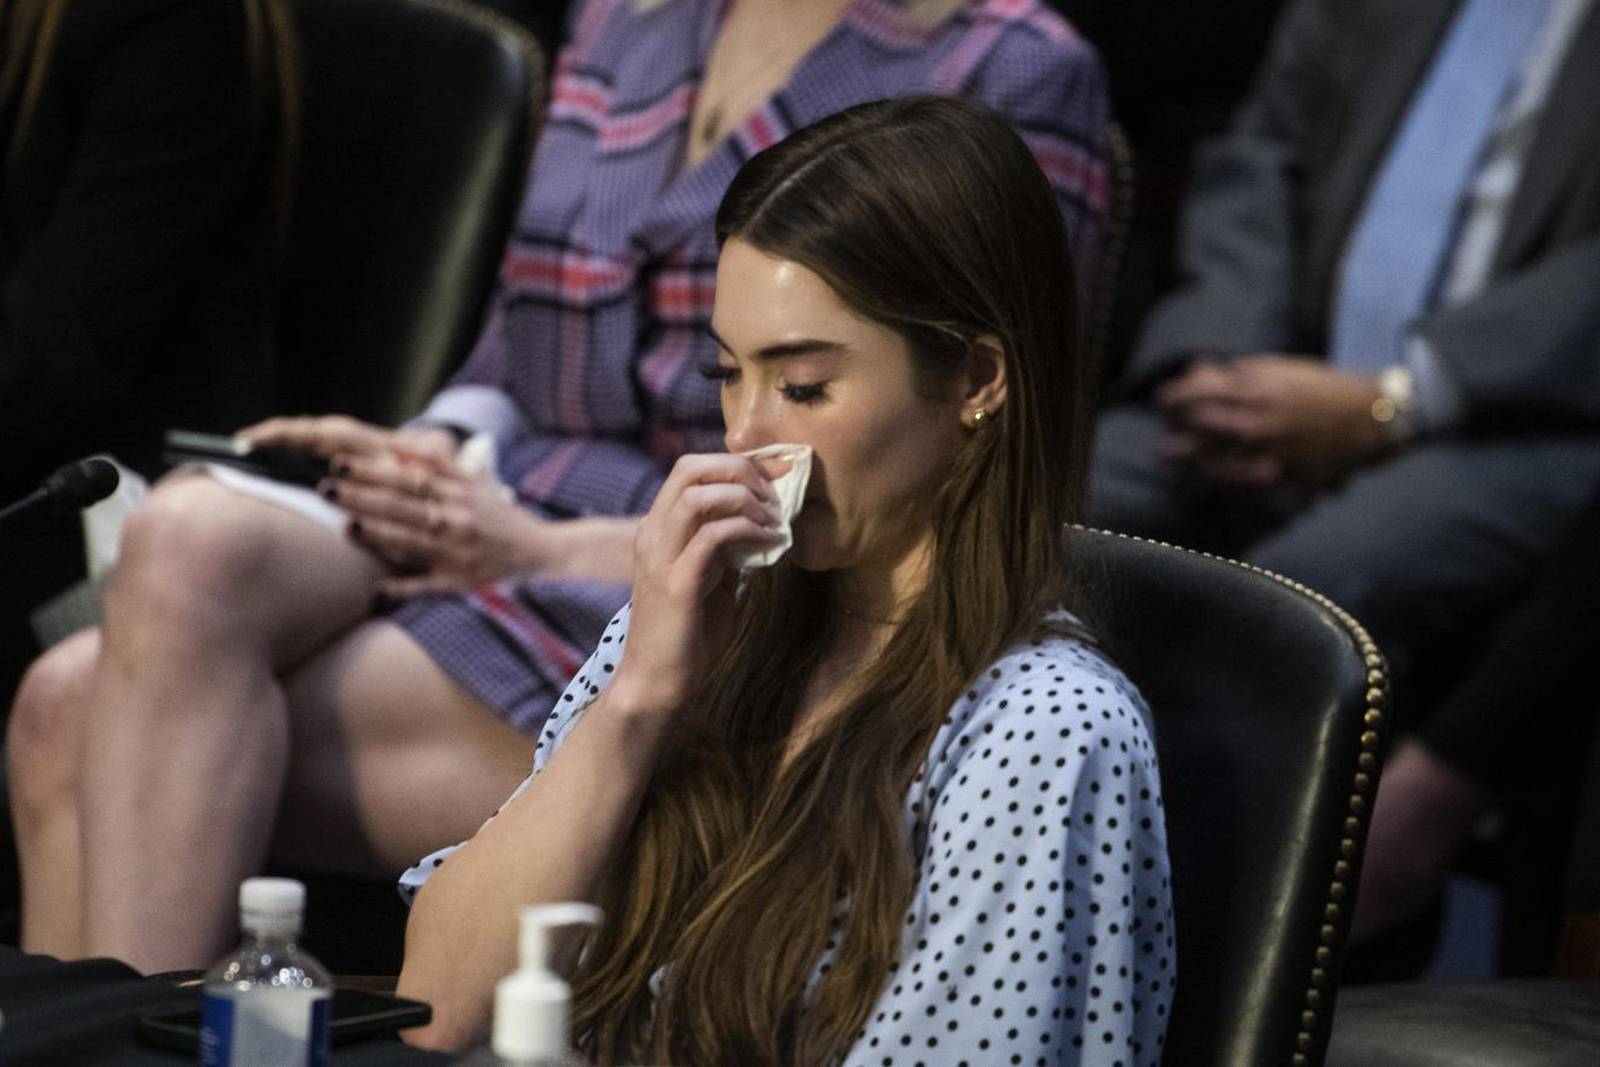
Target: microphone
[76,485]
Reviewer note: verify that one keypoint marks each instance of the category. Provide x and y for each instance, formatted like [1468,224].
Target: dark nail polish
[355,527]
[341,470]
[330,492]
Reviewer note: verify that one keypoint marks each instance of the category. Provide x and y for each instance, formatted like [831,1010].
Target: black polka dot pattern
[1041,931]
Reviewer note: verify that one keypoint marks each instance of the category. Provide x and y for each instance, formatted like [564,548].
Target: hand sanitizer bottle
[531,1004]
[269,1002]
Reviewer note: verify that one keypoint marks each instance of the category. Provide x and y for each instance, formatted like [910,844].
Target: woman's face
[799,366]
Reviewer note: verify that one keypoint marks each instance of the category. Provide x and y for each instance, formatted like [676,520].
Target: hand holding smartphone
[280,464]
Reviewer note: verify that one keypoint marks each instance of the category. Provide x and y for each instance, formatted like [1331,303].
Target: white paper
[790,489]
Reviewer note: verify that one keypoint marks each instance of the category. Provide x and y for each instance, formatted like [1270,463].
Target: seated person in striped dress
[881,801]
[245,701]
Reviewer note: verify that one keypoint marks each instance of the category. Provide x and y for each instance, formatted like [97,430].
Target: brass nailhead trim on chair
[1377,696]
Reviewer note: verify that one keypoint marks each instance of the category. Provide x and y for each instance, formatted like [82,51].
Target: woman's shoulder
[1054,696]
[1061,661]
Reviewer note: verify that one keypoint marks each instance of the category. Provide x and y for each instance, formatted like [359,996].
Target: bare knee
[188,555]
[44,738]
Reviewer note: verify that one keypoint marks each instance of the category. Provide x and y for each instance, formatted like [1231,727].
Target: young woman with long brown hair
[246,700]
[882,802]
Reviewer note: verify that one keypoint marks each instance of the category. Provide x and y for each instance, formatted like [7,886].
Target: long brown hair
[929,216]
[28,30]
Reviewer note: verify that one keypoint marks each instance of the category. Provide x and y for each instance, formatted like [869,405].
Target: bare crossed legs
[237,704]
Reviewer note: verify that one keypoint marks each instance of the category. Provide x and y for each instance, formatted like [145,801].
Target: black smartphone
[281,464]
[357,1015]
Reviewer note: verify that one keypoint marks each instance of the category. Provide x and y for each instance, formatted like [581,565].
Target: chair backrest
[1268,707]
[419,121]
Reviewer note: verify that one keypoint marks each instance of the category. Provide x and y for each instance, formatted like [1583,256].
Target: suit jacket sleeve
[1239,243]
[1526,350]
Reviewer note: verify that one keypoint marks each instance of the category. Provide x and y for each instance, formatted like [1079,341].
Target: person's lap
[1441,534]
[1416,547]
[388,758]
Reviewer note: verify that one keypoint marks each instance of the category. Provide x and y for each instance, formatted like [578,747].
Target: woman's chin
[814,549]
[809,557]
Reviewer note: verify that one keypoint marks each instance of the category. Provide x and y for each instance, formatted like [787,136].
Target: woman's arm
[414,507]
[553,842]
[559,835]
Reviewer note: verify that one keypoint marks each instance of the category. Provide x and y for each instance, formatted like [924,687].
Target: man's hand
[1270,422]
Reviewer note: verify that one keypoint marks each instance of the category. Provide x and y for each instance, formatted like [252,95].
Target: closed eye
[805,394]
[716,372]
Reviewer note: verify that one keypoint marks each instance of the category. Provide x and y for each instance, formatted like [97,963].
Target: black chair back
[1268,707]
[419,121]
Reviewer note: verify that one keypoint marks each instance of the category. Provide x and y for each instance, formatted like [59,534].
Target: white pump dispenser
[531,1004]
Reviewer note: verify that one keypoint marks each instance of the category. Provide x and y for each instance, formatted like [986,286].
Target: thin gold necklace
[877,620]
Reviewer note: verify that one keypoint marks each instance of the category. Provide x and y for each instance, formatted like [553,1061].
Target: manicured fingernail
[341,469]
[355,527]
[328,489]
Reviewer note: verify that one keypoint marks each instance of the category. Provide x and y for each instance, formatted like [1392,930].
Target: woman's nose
[744,426]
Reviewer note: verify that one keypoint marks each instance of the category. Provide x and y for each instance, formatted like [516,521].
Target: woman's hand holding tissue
[684,571]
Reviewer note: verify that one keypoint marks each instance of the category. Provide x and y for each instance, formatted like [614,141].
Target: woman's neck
[881,593]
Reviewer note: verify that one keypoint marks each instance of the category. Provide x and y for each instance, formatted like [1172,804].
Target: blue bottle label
[216,1032]
[267,1027]
[321,1032]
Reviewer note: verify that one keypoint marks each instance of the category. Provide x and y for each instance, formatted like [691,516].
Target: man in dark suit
[1381,372]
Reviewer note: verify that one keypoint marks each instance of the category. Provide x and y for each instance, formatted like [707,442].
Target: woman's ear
[984,388]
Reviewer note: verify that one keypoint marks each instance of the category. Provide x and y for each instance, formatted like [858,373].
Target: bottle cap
[271,903]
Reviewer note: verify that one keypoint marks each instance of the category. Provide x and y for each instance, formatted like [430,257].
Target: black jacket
[133,239]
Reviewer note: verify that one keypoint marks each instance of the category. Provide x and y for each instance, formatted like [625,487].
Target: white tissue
[790,489]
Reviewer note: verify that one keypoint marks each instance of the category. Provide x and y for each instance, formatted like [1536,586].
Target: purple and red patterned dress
[586,372]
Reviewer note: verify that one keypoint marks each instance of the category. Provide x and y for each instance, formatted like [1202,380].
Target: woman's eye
[716,372]
[805,394]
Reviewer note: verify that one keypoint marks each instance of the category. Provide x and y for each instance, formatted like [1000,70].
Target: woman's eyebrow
[805,346]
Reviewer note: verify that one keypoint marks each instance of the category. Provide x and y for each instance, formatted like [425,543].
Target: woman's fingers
[325,435]
[704,561]
[710,469]
[700,504]
[386,471]
[429,445]
[400,543]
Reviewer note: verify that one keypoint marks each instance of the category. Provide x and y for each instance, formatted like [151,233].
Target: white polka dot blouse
[1040,931]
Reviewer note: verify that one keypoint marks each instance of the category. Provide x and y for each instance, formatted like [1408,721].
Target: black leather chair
[419,121]
[1268,703]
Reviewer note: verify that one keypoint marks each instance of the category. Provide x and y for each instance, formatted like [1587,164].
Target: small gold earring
[979,417]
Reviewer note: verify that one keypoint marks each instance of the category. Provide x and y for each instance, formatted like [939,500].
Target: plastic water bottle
[269,1002]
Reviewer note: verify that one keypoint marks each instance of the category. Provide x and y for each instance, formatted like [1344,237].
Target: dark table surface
[87,1012]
